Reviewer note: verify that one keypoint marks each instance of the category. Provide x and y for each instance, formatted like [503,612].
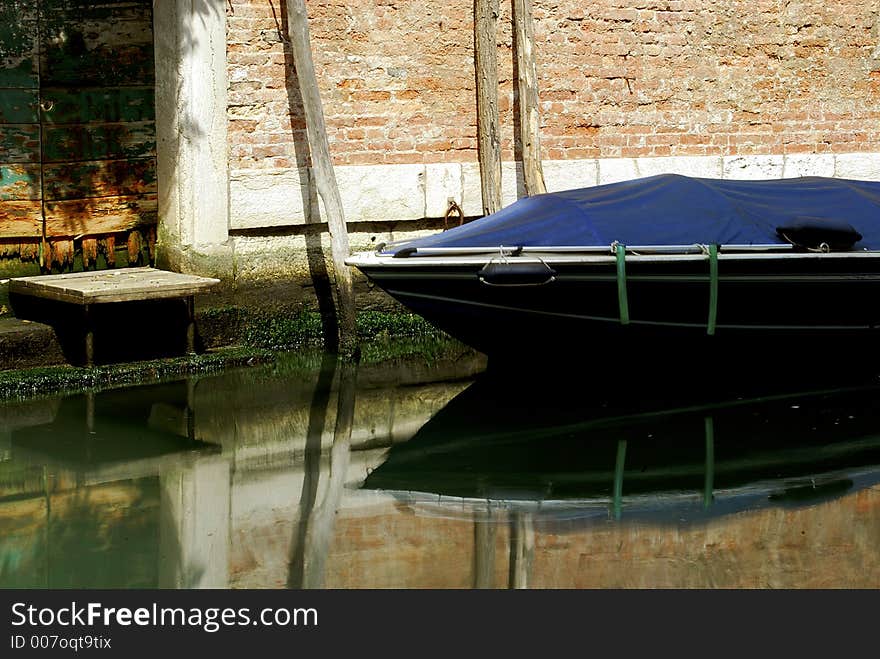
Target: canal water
[430,473]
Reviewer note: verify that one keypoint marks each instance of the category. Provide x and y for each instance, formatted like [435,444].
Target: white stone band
[272,198]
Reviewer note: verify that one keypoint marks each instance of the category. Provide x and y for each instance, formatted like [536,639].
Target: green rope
[713,289]
[621,285]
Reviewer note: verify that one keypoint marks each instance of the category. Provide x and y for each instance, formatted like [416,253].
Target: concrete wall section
[191,126]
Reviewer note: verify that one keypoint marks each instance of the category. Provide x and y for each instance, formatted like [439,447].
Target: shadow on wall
[317,259]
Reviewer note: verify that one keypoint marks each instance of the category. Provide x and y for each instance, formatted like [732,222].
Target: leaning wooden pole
[322,167]
[527,86]
[488,132]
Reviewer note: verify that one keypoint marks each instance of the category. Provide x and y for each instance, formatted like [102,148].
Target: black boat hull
[813,311]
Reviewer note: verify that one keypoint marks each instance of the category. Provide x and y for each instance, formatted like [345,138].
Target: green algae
[52,380]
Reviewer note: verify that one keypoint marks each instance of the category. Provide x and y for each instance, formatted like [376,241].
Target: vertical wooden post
[190,325]
[488,132]
[619,466]
[527,86]
[484,547]
[88,321]
[325,178]
[709,477]
[522,549]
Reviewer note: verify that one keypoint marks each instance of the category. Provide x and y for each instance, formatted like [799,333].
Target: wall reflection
[358,476]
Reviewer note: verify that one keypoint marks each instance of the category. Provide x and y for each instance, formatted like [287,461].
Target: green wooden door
[77,128]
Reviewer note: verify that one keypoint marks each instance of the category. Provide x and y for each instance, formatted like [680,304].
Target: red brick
[701,79]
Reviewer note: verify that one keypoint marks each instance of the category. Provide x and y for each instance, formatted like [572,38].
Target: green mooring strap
[621,285]
[713,289]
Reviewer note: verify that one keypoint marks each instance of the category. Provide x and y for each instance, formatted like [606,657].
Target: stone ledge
[272,198]
[25,344]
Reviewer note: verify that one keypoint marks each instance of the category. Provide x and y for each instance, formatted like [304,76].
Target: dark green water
[414,474]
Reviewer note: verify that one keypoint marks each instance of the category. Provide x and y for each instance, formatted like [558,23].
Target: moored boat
[718,268]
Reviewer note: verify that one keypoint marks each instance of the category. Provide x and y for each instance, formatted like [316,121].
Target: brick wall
[634,78]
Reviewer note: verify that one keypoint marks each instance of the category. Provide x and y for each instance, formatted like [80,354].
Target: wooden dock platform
[107,286]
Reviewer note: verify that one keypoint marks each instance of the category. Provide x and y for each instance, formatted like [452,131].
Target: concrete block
[442,182]
[382,192]
[864,166]
[570,174]
[755,168]
[612,170]
[267,198]
[471,194]
[26,344]
[808,164]
[702,166]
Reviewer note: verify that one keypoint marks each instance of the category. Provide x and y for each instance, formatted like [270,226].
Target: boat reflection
[659,487]
[656,456]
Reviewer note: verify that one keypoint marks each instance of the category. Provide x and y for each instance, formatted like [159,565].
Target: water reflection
[409,475]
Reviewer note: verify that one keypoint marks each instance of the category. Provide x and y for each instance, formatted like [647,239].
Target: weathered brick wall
[634,78]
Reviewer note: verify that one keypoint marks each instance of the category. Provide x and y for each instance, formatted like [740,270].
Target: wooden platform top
[123,285]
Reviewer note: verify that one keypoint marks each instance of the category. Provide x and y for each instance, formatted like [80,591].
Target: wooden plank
[102,178]
[488,129]
[24,10]
[18,106]
[98,105]
[54,6]
[93,217]
[21,219]
[19,143]
[10,250]
[60,254]
[99,141]
[120,65]
[18,50]
[527,84]
[135,244]
[30,251]
[89,252]
[107,245]
[19,182]
[129,284]
[118,36]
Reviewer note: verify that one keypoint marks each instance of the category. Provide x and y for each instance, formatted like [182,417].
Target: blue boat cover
[670,209]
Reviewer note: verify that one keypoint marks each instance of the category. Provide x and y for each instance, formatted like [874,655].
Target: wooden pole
[484,547]
[527,86]
[488,132]
[322,166]
[522,549]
